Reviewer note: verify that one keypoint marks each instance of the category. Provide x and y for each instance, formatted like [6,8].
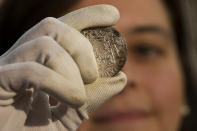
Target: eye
[147,50]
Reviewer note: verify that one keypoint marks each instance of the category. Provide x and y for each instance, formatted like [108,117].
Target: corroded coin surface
[110,49]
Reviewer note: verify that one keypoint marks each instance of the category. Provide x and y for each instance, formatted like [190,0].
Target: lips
[118,116]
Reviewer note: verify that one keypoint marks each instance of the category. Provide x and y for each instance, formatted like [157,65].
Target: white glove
[52,57]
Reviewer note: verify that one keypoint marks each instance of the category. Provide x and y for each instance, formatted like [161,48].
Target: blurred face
[153,97]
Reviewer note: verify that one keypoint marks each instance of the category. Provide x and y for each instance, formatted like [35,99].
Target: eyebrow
[151,29]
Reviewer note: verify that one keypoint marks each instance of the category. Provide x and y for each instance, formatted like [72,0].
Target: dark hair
[17,16]
[184,21]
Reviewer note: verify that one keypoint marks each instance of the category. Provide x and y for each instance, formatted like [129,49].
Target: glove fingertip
[113,13]
[92,16]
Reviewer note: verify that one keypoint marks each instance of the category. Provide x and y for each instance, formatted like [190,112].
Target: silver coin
[110,49]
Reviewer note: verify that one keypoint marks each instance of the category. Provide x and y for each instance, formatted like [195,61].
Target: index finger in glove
[92,16]
[71,40]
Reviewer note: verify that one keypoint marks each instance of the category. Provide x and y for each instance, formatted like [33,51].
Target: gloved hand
[52,58]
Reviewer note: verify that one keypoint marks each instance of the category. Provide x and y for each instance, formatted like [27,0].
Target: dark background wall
[17,16]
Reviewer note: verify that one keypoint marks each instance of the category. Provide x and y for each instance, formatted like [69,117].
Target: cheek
[165,86]
[165,89]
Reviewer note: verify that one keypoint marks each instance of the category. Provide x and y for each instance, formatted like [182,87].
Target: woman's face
[153,97]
